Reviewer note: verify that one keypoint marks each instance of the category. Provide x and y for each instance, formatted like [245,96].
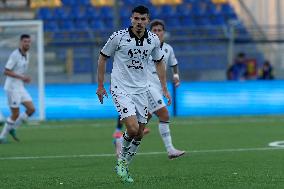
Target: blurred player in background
[15,71]
[131,48]
[2,118]
[156,102]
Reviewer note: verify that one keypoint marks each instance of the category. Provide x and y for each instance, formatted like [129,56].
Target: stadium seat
[125,22]
[78,13]
[61,13]
[97,25]
[129,2]
[50,26]
[81,25]
[187,22]
[172,23]
[184,9]
[85,2]
[66,25]
[69,2]
[109,23]
[45,14]
[106,12]
[125,14]
[92,13]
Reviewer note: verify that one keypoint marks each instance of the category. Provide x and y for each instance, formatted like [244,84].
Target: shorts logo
[14,103]
[125,110]
[160,101]
[146,111]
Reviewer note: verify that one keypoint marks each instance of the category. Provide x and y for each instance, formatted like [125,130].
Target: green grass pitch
[222,153]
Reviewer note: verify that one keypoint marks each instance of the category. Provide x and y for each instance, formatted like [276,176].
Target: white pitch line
[142,153]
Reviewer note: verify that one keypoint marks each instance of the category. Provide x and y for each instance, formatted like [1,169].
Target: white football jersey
[169,60]
[18,63]
[131,54]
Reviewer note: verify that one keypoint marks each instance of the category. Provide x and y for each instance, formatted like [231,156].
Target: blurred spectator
[266,72]
[2,3]
[238,71]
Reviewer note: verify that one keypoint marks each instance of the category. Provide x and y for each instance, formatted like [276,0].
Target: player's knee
[132,132]
[164,117]
[30,111]
[139,137]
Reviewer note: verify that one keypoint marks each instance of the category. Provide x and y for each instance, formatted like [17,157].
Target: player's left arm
[176,79]
[161,71]
[174,64]
[158,56]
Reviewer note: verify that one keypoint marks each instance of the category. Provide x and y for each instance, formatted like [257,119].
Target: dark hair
[157,22]
[24,36]
[141,9]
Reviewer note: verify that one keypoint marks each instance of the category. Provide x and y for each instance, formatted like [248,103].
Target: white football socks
[166,135]
[126,142]
[133,149]
[9,124]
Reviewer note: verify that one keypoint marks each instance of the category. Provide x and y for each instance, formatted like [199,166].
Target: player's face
[139,21]
[159,31]
[26,44]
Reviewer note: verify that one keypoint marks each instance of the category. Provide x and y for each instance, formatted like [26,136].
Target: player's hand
[101,92]
[176,80]
[26,79]
[168,96]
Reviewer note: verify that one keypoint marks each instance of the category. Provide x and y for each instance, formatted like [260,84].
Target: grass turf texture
[221,153]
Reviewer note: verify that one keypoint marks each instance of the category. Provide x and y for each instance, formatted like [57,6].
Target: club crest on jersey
[128,40]
[166,50]
[149,41]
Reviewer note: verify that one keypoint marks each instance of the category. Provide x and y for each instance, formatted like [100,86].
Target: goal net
[10,32]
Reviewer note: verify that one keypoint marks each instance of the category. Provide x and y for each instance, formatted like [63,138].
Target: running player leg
[165,133]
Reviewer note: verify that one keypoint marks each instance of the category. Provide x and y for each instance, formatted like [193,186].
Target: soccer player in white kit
[131,49]
[15,71]
[156,102]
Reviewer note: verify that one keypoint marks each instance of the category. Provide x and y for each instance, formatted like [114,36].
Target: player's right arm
[101,91]
[10,73]
[9,70]
[107,51]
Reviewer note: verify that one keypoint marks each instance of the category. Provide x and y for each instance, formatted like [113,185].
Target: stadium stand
[195,20]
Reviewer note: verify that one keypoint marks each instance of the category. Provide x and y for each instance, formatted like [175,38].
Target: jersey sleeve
[11,62]
[172,58]
[157,54]
[111,45]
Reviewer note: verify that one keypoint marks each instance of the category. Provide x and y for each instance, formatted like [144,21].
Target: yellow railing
[99,3]
[219,1]
[45,3]
[166,2]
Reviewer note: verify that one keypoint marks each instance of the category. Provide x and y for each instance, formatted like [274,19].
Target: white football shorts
[15,98]
[155,98]
[131,104]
